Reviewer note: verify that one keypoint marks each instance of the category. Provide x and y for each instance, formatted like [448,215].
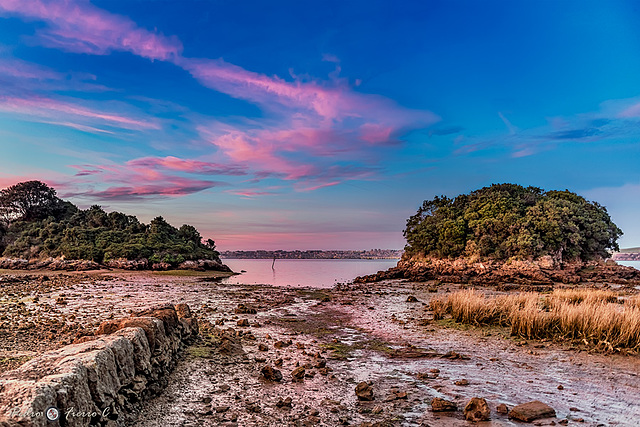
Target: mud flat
[324,343]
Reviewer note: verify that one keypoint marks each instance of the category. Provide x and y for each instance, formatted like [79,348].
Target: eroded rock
[532,411]
[364,391]
[477,410]
[441,405]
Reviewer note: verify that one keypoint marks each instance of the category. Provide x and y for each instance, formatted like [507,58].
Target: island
[38,230]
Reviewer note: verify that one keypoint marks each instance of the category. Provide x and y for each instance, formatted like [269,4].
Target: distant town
[314,254]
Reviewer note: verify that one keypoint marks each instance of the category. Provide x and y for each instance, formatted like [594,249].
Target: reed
[596,317]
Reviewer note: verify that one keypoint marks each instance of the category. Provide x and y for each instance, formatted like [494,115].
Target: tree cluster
[510,221]
[35,223]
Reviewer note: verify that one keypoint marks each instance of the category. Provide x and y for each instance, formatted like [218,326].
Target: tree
[28,201]
[189,233]
[507,220]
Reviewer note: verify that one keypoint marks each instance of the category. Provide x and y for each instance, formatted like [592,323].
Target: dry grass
[595,317]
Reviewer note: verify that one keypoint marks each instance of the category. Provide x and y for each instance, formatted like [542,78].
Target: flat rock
[531,411]
[441,405]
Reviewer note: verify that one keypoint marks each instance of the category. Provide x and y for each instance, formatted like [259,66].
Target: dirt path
[342,337]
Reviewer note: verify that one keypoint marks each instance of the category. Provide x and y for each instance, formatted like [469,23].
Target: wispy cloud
[186,165]
[306,119]
[615,119]
[172,187]
[83,28]
[48,110]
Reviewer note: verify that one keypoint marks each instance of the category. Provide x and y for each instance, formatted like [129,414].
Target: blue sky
[318,125]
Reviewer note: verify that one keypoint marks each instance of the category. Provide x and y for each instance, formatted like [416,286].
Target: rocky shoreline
[281,356]
[542,272]
[59,264]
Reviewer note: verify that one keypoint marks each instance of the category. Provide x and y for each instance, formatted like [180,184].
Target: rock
[441,405]
[502,409]
[263,347]
[129,360]
[243,322]
[183,311]
[531,411]
[286,403]
[298,373]
[477,410]
[411,298]
[271,374]
[376,410]
[364,391]
[462,382]
[243,309]
[221,409]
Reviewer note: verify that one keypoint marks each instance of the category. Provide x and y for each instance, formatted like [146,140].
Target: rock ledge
[99,379]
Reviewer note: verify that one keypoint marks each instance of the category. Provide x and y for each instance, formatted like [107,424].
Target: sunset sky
[318,125]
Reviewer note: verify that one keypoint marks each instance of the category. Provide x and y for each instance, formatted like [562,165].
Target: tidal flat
[323,342]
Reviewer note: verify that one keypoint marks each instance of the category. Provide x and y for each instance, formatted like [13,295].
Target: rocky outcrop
[48,264]
[99,379]
[119,263]
[541,272]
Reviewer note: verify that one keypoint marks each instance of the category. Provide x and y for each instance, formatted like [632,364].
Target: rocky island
[38,230]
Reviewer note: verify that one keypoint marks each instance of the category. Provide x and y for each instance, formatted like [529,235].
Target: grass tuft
[595,317]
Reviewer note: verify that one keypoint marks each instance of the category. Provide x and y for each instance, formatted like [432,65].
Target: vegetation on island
[506,221]
[35,223]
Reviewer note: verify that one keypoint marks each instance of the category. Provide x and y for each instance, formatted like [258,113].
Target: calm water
[318,273]
[634,264]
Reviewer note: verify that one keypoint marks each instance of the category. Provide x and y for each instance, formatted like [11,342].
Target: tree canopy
[510,221]
[36,223]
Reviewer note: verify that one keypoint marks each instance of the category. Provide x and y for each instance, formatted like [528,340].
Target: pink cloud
[632,112]
[250,193]
[174,187]
[25,70]
[81,27]
[317,187]
[309,121]
[186,165]
[59,111]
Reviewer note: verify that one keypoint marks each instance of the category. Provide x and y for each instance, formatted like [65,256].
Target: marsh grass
[595,317]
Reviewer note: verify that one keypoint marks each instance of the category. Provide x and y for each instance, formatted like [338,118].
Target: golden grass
[595,317]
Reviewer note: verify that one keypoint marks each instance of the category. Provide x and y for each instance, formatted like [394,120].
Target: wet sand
[363,332]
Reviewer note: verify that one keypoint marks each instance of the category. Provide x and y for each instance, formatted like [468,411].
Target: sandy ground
[362,333]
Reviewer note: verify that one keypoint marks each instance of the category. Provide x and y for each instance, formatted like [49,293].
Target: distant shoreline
[314,254]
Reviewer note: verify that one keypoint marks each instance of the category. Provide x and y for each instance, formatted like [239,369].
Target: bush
[509,221]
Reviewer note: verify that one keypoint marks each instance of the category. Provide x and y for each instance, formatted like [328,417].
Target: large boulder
[477,410]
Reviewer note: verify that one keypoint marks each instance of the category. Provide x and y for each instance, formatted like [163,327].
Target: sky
[318,125]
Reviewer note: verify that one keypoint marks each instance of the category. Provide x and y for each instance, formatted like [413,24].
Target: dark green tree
[28,201]
[508,220]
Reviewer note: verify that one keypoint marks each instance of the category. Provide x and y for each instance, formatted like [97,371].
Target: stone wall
[98,380]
